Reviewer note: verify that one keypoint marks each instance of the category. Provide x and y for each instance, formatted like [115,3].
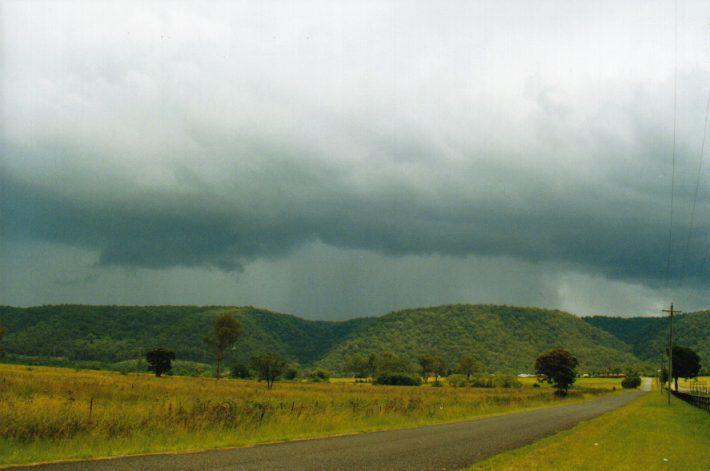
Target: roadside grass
[53,413]
[646,434]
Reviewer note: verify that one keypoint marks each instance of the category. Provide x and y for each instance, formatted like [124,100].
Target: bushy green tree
[397,379]
[426,363]
[359,365]
[631,381]
[160,361]
[268,367]
[2,334]
[319,375]
[557,367]
[468,366]
[239,370]
[440,368]
[388,362]
[225,331]
[291,372]
[686,364]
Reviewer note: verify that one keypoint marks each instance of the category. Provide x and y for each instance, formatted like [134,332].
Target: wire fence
[699,388]
[702,402]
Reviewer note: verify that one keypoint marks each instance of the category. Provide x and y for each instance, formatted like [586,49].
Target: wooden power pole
[670,348]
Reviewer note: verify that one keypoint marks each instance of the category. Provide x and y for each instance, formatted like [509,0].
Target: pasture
[53,413]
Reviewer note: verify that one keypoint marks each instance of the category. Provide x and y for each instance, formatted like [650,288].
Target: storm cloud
[226,135]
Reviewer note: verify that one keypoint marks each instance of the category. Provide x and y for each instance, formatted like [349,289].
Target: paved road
[437,447]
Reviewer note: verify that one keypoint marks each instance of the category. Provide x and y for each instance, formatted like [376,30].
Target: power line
[697,188]
[675,120]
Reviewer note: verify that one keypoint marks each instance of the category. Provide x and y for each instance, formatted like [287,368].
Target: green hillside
[648,336]
[502,338]
[77,334]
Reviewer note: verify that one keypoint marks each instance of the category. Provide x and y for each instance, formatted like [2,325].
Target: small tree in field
[160,361]
[2,334]
[359,365]
[557,367]
[468,366]
[239,370]
[426,363]
[225,332]
[269,366]
[631,381]
[440,368]
[686,364]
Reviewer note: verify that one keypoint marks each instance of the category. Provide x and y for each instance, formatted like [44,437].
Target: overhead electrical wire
[675,121]
[695,196]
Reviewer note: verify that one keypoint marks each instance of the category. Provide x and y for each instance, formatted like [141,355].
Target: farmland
[51,413]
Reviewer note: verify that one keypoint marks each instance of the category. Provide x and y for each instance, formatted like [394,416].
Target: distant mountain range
[502,338]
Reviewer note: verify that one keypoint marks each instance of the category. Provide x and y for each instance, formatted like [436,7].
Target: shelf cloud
[219,136]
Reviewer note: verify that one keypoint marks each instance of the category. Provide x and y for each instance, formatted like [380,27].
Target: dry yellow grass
[52,413]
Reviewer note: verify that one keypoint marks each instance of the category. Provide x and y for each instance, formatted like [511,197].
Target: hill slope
[648,336]
[109,334]
[502,338]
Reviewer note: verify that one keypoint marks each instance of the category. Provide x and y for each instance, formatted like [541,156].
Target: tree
[426,362]
[225,332]
[239,370]
[160,360]
[440,368]
[2,334]
[468,366]
[388,362]
[319,375]
[269,366]
[631,381]
[686,364]
[359,365]
[557,367]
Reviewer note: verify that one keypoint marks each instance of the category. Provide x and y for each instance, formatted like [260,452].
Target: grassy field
[53,413]
[647,435]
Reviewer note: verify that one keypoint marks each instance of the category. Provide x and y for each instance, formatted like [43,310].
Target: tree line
[557,366]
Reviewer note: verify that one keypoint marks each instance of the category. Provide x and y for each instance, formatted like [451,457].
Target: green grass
[645,435]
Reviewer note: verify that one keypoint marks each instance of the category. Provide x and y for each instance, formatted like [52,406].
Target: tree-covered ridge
[648,336]
[110,334]
[502,338]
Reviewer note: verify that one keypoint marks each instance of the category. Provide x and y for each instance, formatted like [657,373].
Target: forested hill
[110,334]
[502,338]
[648,336]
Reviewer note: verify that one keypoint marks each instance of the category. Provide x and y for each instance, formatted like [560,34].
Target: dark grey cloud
[171,138]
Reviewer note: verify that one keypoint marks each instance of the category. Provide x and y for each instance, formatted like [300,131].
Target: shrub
[437,384]
[318,375]
[507,381]
[631,381]
[457,381]
[291,372]
[482,381]
[397,379]
[240,370]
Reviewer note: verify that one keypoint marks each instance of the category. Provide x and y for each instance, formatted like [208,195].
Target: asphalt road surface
[436,447]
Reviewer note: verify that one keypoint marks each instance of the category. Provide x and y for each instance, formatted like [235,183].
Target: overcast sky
[341,159]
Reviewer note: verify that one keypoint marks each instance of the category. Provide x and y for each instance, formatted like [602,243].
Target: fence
[699,388]
[702,402]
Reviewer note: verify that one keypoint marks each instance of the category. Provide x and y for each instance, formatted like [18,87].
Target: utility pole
[670,348]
